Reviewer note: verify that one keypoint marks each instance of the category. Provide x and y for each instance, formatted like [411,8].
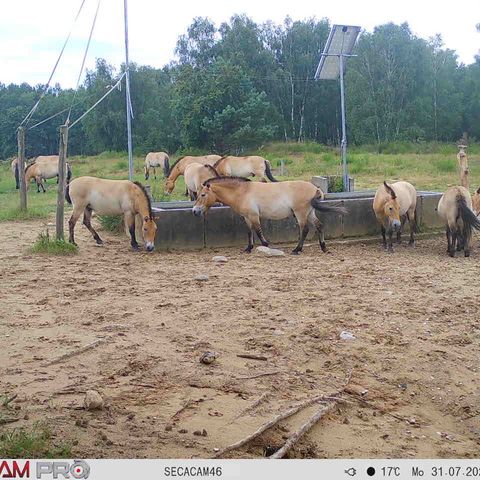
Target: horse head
[391,209]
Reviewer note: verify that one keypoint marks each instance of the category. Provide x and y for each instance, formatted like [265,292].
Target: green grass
[48,246]
[36,442]
[111,223]
[429,166]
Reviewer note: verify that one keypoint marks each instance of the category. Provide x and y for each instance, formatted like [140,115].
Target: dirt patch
[414,314]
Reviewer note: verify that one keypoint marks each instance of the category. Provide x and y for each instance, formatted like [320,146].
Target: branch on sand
[79,351]
[283,416]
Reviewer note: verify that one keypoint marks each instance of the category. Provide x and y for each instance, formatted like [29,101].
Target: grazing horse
[393,206]
[251,166]
[43,168]
[154,160]
[256,200]
[455,208]
[178,168]
[195,174]
[111,197]
[14,167]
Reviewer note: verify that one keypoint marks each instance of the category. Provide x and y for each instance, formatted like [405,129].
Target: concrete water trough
[178,228]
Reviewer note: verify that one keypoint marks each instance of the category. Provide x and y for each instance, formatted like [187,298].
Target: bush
[111,223]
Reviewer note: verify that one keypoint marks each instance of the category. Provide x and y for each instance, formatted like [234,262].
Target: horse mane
[209,167]
[225,179]
[176,161]
[149,203]
[220,160]
[29,165]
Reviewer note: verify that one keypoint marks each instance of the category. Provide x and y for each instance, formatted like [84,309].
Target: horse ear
[478,190]
[389,190]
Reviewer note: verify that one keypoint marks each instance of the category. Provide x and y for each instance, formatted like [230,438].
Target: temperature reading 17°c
[391,471]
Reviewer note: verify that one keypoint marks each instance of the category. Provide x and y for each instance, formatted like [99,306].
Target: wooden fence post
[62,156]
[21,167]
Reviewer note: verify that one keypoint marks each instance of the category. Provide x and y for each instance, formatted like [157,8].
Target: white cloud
[32,32]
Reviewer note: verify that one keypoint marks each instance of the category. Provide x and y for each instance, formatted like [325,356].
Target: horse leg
[466,245]
[87,221]
[40,183]
[154,173]
[57,179]
[314,220]
[258,230]
[147,173]
[130,223]
[250,236]
[192,195]
[390,240]
[303,232]
[384,238]
[72,222]
[453,242]
[399,233]
[412,222]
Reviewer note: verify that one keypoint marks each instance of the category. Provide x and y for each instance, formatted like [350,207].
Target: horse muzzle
[197,211]
[396,225]
[149,246]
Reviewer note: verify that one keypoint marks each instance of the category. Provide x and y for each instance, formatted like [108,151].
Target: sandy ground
[415,315]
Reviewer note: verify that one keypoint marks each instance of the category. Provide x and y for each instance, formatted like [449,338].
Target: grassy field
[427,166]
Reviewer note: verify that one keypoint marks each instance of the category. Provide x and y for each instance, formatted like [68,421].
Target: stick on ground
[252,357]
[79,351]
[280,417]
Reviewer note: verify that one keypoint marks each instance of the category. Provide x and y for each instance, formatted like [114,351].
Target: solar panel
[341,40]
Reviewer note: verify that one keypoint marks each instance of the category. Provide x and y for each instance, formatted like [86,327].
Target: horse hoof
[248,250]
[295,252]
[411,244]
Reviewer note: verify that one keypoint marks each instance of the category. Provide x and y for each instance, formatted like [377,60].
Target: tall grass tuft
[45,245]
[111,223]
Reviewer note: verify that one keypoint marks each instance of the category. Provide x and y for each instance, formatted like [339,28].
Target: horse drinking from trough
[455,209]
[250,166]
[178,168]
[195,174]
[155,160]
[256,200]
[111,197]
[393,205]
[43,168]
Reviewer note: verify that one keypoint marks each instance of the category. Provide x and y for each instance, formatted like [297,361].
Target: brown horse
[178,168]
[393,206]
[155,160]
[256,200]
[476,202]
[455,209]
[111,197]
[251,166]
[195,174]
[43,168]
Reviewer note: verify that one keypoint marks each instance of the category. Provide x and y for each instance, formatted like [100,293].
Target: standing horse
[14,167]
[154,160]
[256,200]
[455,208]
[111,197]
[463,166]
[251,166]
[195,174]
[43,168]
[393,206]
[178,168]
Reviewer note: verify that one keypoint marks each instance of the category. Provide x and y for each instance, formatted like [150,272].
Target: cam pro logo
[13,469]
[78,469]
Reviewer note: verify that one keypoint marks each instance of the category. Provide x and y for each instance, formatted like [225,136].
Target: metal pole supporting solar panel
[127,95]
[340,43]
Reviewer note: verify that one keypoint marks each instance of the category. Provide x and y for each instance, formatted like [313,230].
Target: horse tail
[469,219]
[67,189]
[416,226]
[166,166]
[268,172]
[318,204]
[17,177]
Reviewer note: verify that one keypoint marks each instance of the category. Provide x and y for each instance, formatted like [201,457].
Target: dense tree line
[233,87]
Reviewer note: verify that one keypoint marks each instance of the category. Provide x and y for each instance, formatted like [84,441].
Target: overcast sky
[32,32]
